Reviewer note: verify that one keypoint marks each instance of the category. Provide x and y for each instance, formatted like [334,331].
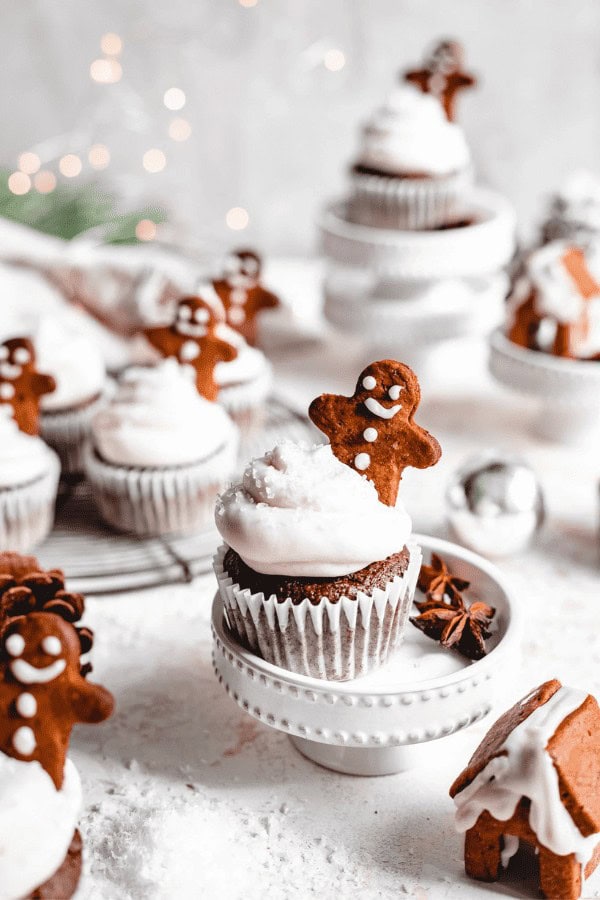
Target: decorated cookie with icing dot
[373,431]
[443,76]
[42,693]
[193,340]
[241,293]
[21,385]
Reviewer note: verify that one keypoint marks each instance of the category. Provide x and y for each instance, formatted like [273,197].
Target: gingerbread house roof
[573,746]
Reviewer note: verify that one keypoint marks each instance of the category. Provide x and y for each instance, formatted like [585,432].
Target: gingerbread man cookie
[193,340]
[373,431]
[242,295]
[443,75]
[42,693]
[21,385]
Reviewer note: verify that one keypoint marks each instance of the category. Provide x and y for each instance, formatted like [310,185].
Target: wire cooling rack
[96,560]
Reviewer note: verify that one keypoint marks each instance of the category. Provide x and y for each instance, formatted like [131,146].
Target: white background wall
[272,128]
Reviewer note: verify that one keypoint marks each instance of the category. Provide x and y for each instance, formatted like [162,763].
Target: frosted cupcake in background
[318,569]
[29,473]
[414,165]
[244,383]
[77,366]
[159,453]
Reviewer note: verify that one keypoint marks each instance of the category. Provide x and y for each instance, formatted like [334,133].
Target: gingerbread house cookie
[536,778]
[555,305]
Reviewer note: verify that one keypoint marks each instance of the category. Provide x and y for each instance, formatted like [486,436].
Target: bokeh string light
[237,218]
[154,160]
[29,163]
[334,60]
[70,165]
[44,182]
[106,71]
[19,183]
[179,129]
[174,98]
[145,230]
[111,44]
[99,156]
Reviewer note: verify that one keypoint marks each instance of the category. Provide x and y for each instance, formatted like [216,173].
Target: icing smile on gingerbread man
[30,672]
[373,404]
[192,319]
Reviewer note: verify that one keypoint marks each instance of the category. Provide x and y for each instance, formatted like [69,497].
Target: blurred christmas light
[19,183]
[179,129]
[70,165]
[237,218]
[44,182]
[106,71]
[99,156]
[111,43]
[29,163]
[145,230]
[334,60]
[154,160]
[174,98]
[248,3]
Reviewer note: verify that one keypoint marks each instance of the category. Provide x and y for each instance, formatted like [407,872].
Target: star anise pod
[437,581]
[454,624]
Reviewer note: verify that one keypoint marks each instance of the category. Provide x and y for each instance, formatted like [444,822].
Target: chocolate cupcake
[319,569]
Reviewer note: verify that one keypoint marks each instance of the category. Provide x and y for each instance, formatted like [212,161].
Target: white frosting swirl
[23,457]
[157,418]
[249,364]
[75,362]
[411,134]
[37,823]
[300,511]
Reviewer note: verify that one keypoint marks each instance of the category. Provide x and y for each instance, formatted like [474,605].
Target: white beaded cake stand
[477,249]
[382,723]
[568,390]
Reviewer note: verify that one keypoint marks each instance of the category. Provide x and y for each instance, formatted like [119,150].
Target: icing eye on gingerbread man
[373,431]
[42,691]
[193,340]
[21,385]
[442,75]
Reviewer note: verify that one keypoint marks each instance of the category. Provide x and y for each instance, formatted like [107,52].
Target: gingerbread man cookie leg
[373,431]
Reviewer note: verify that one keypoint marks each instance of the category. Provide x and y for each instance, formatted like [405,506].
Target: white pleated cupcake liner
[246,402]
[27,511]
[336,641]
[411,204]
[67,431]
[160,501]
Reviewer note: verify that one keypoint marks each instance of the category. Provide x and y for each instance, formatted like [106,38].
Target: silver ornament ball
[495,504]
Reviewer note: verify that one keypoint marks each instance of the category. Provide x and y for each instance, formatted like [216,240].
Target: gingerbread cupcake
[414,167]
[159,453]
[43,693]
[77,366]
[318,569]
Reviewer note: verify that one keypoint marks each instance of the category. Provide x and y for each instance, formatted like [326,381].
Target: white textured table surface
[186,796]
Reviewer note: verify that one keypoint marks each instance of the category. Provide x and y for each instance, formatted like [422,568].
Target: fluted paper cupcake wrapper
[410,204]
[67,431]
[160,501]
[333,640]
[27,511]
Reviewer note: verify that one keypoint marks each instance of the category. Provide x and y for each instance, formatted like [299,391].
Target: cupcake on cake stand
[317,577]
[415,254]
[550,349]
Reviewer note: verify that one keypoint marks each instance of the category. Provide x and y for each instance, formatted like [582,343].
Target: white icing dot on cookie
[369,382]
[52,645]
[22,356]
[202,315]
[370,434]
[3,353]
[7,391]
[26,705]
[15,644]
[394,391]
[184,312]
[189,350]
[362,461]
[23,740]
[237,315]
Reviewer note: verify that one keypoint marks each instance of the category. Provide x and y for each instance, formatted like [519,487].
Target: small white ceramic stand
[382,723]
[568,389]
[477,249]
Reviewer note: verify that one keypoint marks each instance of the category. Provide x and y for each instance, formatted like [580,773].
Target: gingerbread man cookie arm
[425,450]
[41,384]
[224,350]
[462,80]
[268,300]
[92,703]
[324,412]
[419,78]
